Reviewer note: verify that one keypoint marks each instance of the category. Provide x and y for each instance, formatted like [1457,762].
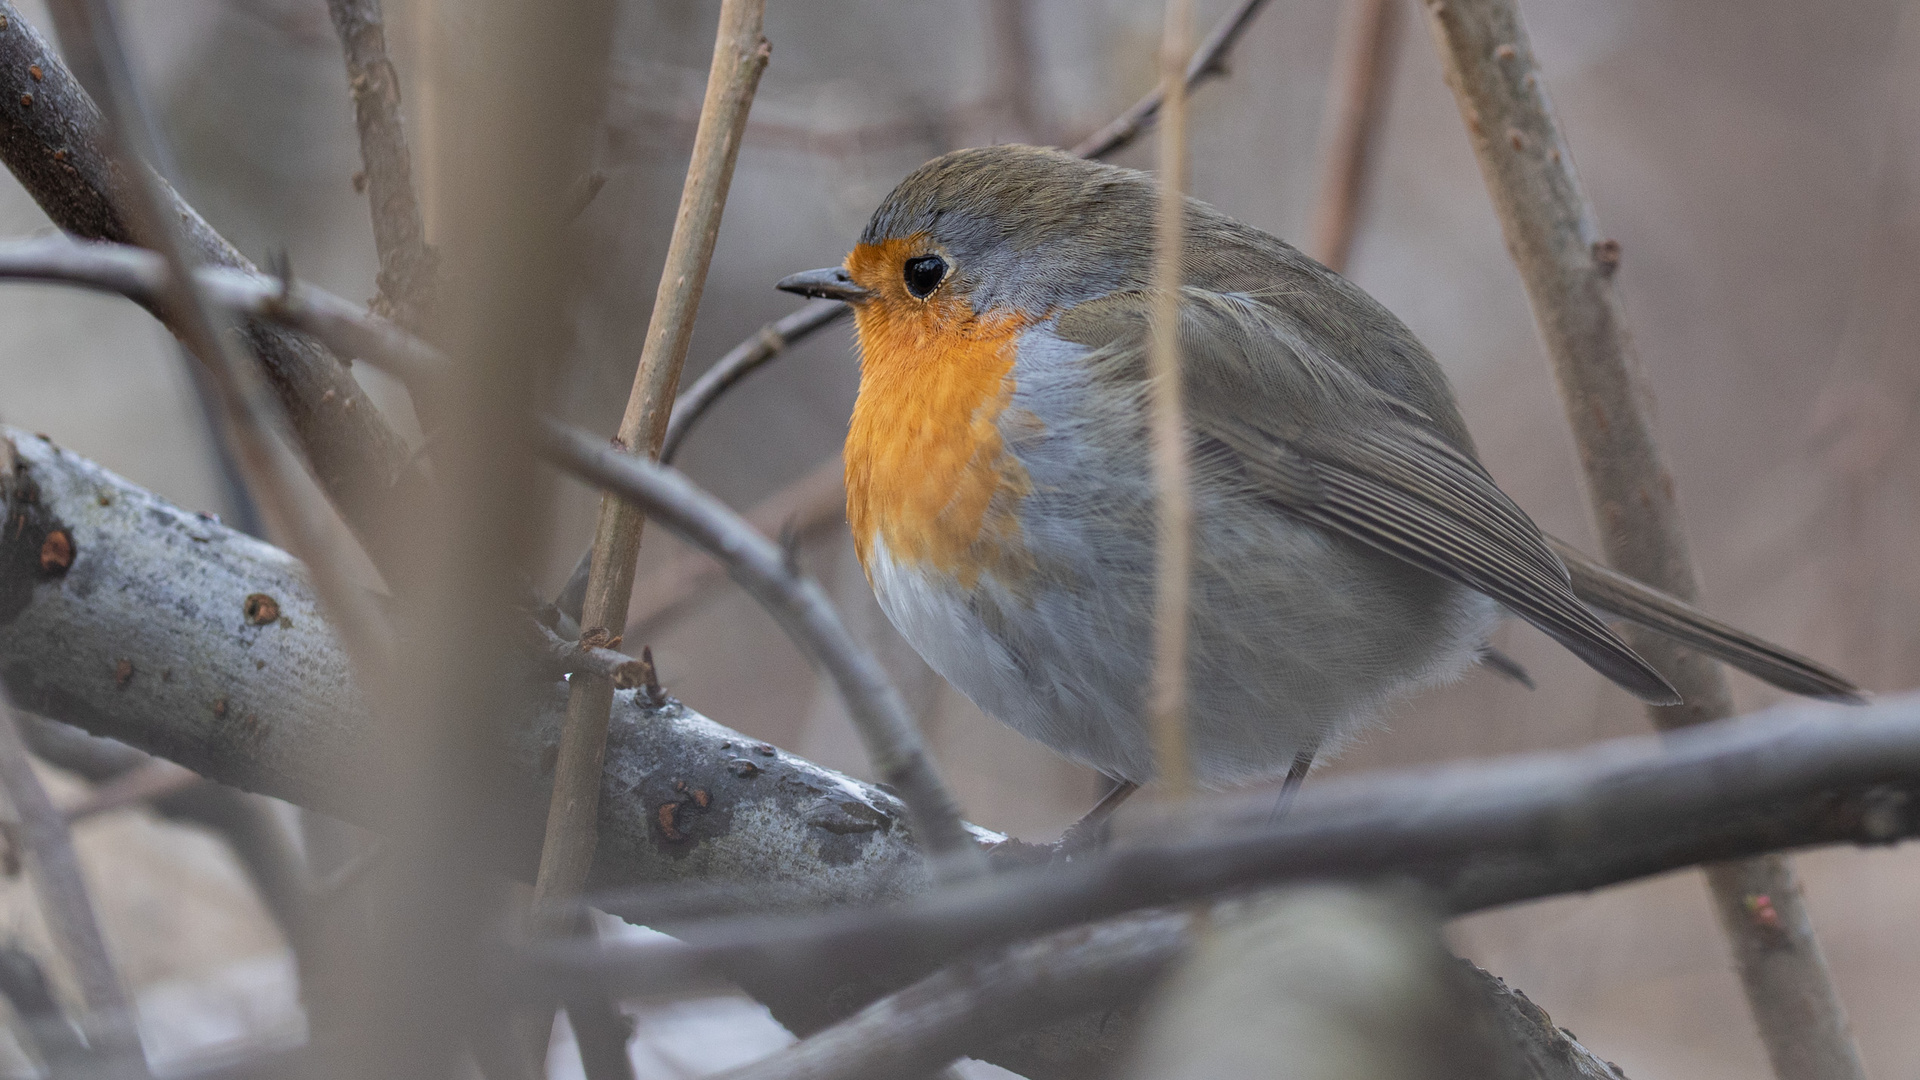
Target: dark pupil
[924,274]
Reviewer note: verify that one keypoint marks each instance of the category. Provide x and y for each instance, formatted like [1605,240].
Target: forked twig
[1567,265]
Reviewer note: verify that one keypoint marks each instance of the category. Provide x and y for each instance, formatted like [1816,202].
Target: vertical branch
[1567,265]
[1167,694]
[63,897]
[399,230]
[739,56]
[1356,101]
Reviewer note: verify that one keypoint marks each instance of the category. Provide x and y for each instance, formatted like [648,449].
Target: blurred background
[1756,160]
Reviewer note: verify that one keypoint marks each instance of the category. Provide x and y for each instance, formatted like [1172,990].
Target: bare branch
[811,506]
[1356,104]
[741,361]
[64,902]
[399,233]
[683,799]
[141,276]
[51,137]
[1567,265]
[740,54]
[973,1005]
[893,743]
[1209,60]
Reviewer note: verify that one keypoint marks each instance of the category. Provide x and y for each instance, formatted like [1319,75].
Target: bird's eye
[924,274]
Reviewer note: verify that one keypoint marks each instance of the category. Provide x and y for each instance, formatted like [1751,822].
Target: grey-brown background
[1755,159]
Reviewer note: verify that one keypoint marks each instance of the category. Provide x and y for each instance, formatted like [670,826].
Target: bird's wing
[1315,439]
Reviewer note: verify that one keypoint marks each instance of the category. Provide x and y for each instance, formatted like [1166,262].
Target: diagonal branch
[1567,265]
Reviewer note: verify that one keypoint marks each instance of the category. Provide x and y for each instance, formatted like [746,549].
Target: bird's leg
[1090,831]
[1296,774]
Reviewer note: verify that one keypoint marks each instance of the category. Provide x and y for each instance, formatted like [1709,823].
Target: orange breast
[926,468]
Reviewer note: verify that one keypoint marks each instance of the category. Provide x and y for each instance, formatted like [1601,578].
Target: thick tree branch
[740,54]
[399,232]
[1476,836]
[51,138]
[1567,265]
[267,703]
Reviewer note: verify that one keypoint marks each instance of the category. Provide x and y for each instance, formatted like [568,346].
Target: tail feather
[1618,594]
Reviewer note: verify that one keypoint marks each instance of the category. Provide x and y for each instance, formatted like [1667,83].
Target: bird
[1348,547]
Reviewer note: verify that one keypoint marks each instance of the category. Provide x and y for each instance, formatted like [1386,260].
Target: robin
[1348,547]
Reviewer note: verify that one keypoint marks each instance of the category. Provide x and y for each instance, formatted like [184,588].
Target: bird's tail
[1617,594]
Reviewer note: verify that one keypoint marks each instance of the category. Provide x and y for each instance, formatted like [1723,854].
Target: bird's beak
[829,283]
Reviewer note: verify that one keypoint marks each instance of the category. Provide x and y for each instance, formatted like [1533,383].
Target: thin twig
[892,741]
[971,1005]
[1567,265]
[743,360]
[252,413]
[141,276]
[152,779]
[1209,59]
[63,898]
[811,506]
[399,231]
[1476,836]
[1356,104]
[739,56]
[1173,550]
[57,146]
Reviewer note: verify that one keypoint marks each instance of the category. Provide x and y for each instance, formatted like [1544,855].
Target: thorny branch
[1568,265]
